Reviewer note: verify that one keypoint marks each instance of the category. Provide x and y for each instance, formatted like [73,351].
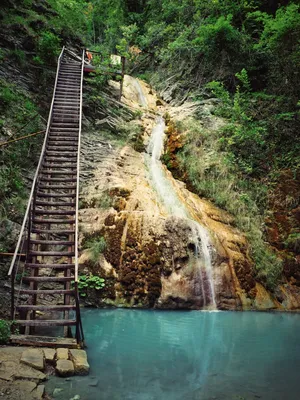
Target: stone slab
[38,393]
[64,368]
[49,354]
[34,358]
[26,372]
[62,354]
[79,358]
[24,386]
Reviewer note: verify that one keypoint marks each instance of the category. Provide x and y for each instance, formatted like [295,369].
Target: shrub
[96,246]
[19,56]
[48,46]
[215,173]
[89,282]
[4,331]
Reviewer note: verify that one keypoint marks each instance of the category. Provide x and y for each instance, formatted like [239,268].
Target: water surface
[188,355]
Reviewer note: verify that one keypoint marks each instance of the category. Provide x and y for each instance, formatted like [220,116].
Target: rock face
[149,254]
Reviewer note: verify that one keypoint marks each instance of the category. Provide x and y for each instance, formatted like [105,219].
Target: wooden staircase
[47,297]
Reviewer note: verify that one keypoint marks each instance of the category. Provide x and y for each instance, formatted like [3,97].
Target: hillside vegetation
[244,53]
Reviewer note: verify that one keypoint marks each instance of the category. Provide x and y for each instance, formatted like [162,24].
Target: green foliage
[96,246]
[19,56]
[293,242]
[90,281]
[4,331]
[20,118]
[37,60]
[48,46]
[105,201]
[215,173]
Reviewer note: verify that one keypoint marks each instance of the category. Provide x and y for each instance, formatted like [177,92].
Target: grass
[95,246]
[19,116]
[213,175]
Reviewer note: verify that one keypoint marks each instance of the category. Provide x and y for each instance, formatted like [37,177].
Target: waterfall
[203,275]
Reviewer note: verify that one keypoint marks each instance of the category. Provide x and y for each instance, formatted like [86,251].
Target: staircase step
[44,322]
[67,86]
[26,307]
[54,266]
[62,149]
[60,155]
[65,119]
[70,195]
[48,279]
[58,179]
[62,166]
[53,212]
[62,161]
[65,187]
[63,125]
[65,113]
[53,231]
[53,221]
[55,142]
[67,137]
[67,74]
[52,172]
[71,108]
[64,130]
[55,204]
[46,291]
[66,100]
[53,253]
[53,242]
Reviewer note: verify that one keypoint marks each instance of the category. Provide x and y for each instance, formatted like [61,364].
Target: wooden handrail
[37,171]
[21,138]
[78,165]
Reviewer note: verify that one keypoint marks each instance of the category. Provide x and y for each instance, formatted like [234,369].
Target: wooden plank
[43,341]
[55,204]
[40,322]
[57,266]
[47,291]
[47,279]
[52,253]
[53,221]
[54,231]
[30,307]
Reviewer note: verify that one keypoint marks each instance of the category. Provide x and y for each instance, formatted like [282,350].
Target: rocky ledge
[23,371]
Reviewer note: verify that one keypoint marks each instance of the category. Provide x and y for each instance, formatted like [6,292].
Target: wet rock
[94,382]
[34,358]
[64,368]
[57,392]
[79,358]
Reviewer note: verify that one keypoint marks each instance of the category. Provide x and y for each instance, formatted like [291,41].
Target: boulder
[79,358]
[64,368]
[34,358]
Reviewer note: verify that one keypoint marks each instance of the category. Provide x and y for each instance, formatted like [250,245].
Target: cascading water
[203,278]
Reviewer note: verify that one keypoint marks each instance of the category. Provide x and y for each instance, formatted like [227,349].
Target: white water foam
[204,278]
